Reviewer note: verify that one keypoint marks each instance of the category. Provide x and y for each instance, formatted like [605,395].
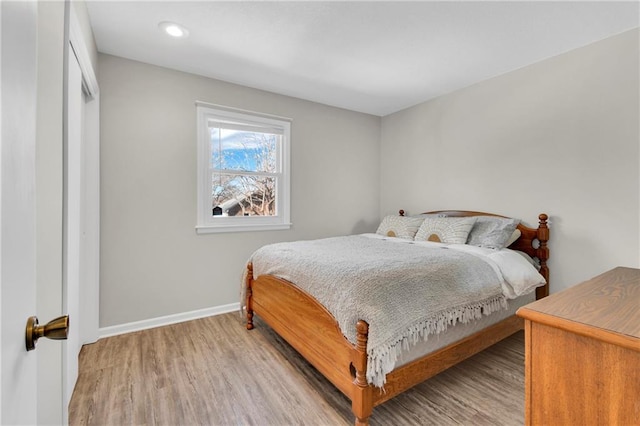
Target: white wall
[560,136]
[152,262]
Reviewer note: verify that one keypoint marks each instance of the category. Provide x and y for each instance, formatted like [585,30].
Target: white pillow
[399,226]
[518,272]
[451,230]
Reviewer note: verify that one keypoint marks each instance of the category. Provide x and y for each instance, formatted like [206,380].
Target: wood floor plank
[213,371]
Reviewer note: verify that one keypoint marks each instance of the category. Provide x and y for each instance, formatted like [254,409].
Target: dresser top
[609,302]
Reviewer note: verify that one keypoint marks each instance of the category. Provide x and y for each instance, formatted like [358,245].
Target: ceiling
[372,57]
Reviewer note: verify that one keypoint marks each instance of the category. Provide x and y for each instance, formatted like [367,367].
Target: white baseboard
[115,330]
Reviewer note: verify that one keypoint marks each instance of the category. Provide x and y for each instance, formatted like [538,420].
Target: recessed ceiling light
[173,29]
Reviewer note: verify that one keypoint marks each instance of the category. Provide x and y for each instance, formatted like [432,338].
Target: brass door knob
[56,329]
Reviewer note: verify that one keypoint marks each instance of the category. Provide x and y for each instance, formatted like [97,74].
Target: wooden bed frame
[307,326]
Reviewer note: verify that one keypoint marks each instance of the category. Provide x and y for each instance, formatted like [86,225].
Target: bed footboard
[307,326]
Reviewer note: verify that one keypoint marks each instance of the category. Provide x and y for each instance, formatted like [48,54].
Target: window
[243,170]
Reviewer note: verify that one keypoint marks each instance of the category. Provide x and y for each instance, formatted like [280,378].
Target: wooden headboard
[533,241]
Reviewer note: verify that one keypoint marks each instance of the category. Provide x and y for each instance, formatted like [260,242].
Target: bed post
[248,282]
[543,254]
[362,401]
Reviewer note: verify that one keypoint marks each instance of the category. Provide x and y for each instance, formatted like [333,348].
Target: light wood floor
[214,372]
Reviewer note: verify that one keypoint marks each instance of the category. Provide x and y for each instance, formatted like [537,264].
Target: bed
[315,332]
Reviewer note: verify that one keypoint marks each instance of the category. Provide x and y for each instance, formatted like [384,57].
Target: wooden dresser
[582,353]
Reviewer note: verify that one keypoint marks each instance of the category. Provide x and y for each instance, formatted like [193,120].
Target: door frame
[91,290]
[87,258]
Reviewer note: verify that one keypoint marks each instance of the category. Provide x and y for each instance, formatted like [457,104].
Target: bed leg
[361,422]
[249,282]
[250,325]
[362,402]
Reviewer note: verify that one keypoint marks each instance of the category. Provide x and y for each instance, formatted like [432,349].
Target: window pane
[244,150]
[243,195]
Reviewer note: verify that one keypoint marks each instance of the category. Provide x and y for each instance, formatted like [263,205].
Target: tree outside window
[244,169]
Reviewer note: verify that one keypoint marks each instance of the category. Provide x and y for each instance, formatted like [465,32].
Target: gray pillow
[492,232]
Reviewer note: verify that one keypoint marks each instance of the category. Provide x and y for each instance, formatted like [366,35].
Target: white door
[20,400]
[18,77]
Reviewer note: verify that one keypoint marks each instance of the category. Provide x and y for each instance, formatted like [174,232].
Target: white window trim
[206,223]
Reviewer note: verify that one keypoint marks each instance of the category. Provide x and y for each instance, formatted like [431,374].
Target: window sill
[216,229]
